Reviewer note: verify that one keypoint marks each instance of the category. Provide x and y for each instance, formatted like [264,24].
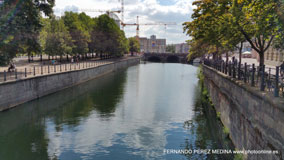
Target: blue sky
[149,11]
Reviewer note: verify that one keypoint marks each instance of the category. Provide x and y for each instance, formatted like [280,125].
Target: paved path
[26,70]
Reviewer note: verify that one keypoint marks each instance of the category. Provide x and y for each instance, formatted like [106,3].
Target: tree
[171,48]
[134,45]
[107,38]
[206,27]
[80,36]
[260,23]
[20,26]
[58,40]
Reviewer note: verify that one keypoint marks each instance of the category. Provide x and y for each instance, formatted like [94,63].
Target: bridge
[165,57]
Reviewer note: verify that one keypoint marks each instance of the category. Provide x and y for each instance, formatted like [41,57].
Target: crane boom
[146,24]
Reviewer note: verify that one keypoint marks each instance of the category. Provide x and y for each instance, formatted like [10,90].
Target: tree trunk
[67,57]
[29,57]
[41,57]
[261,59]
[227,57]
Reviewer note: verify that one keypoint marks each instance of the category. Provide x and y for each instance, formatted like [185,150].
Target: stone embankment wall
[17,92]
[255,119]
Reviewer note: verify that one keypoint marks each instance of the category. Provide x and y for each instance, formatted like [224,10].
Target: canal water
[149,111]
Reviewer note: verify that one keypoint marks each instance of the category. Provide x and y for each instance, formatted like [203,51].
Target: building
[152,45]
[272,57]
[246,51]
[115,17]
[182,48]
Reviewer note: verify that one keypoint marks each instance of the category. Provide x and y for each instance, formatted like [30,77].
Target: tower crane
[92,10]
[137,24]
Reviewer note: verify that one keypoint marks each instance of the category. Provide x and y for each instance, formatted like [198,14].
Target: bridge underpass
[166,57]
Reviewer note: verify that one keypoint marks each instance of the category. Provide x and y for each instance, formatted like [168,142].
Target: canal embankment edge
[21,91]
[255,119]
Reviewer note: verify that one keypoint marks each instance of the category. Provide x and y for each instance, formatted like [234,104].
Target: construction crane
[90,10]
[122,13]
[137,24]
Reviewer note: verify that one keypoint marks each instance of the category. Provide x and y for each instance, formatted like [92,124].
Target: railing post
[230,69]
[252,75]
[65,66]
[276,89]
[60,68]
[54,66]
[5,75]
[48,69]
[226,67]
[245,74]
[239,70]
[262,82]
[25,72]
[34,71]
[41,68]
[234,68]
[70,66]
[16,75]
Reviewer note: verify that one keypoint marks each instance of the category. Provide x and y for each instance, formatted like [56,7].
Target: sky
[149,11]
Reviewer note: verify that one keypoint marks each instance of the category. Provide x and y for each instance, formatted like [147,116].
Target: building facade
[152,45]
[272,57]
[182,48]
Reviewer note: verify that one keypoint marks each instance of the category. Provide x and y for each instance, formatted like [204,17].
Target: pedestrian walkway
[34,69]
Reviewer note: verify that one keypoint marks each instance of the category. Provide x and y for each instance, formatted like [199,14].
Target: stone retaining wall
[255,119]
[24,90]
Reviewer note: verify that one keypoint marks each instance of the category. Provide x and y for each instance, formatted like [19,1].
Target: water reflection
[133,114]
[206,130]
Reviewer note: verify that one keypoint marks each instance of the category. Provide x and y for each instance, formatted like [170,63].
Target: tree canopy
[24,30]
[223,24]
[20,26]
[106,37]
[134,45]
[171,48]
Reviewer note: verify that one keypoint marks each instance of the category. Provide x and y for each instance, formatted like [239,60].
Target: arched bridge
[165,57]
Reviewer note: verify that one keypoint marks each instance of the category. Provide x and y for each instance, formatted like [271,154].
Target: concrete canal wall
[17,92]
[255,119]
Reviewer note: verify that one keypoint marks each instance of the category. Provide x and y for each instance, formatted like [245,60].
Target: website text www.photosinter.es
[218,151]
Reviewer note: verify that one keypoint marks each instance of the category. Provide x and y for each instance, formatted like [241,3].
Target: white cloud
[149,11]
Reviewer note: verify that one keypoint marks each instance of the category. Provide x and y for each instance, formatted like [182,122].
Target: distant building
[245,50]
[152,45]
[272,57]
[182,48]
[115,17]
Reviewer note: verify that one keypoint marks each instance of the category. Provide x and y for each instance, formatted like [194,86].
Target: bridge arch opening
[154,59]
[173,59]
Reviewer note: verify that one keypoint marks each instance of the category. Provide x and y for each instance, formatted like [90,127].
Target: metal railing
[33,71]
[265,78]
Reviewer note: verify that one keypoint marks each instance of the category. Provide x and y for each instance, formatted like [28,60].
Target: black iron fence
[265,78]
[38,70]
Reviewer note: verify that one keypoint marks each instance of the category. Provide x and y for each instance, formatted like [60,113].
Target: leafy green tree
[206,27]
[107,38]
[260,23]
[171,48]
[20,26]
[58,40]
[80,36]
[134,45]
